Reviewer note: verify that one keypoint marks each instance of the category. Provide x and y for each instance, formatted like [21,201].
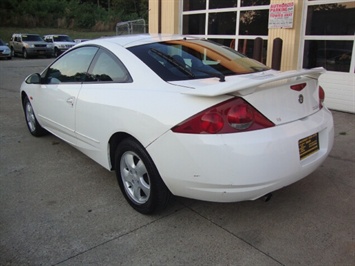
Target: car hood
[65,43]
[35,42]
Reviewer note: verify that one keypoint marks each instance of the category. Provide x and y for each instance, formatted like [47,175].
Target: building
[313,33]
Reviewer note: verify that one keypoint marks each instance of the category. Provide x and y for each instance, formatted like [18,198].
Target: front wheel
[56,52]
[25,54]
[32,124]
[139,179]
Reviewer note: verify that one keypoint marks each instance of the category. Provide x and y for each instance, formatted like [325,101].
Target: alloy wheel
[135,177]
[30,117]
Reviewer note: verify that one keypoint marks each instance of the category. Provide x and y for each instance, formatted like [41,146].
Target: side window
[108,68]
[72,67]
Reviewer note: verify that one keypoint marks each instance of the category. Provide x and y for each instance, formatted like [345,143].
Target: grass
[6,33]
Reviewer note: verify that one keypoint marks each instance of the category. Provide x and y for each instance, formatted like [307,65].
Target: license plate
[308,146]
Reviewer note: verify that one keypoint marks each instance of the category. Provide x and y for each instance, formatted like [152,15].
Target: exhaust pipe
[266,197]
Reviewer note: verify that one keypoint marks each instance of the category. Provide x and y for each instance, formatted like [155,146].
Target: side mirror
[34,79]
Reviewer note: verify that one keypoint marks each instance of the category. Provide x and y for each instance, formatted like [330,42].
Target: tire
[12,52]
[139,179]
[25,54]
[56,52]
[31,121]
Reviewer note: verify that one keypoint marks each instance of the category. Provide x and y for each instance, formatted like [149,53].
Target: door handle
[71,100]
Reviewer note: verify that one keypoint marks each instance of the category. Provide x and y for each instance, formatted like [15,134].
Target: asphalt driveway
[58,207]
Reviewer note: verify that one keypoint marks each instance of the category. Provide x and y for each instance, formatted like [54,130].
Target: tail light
[321,94]
[231,116]
[298,87]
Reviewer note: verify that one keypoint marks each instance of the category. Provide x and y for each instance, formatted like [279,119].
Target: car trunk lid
[280,96]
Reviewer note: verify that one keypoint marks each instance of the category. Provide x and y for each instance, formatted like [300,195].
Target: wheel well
[114,141]
[23,96]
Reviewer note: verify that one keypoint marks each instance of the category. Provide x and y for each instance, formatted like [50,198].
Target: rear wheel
[139,179]
[32,124]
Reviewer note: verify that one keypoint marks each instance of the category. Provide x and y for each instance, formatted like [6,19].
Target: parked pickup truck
[30,45]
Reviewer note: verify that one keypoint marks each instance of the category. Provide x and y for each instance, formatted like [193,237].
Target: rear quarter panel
[144,109]
[142,112]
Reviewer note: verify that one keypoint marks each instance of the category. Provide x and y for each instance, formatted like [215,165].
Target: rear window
[194,59]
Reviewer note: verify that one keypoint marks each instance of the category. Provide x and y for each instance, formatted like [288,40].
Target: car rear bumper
[241,166]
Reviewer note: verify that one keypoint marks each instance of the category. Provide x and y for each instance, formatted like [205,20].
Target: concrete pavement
[60,208]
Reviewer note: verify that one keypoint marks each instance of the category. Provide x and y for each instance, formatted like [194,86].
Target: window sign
[281,15]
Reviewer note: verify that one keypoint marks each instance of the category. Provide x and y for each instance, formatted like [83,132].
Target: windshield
[31,38]
[2,43]
[190,59]
[62,38]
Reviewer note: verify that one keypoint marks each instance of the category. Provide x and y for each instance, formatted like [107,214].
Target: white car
[174,115]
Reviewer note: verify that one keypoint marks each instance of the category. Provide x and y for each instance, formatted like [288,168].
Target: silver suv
[30,45]
[61,43]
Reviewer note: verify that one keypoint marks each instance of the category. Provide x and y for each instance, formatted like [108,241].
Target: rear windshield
[193,59]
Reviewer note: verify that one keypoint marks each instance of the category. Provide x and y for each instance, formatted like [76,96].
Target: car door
[58,93]
[18,44]
[97,104]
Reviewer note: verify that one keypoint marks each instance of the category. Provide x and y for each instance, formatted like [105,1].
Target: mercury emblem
[300,98]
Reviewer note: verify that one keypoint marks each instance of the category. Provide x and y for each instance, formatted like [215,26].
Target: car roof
[49,35]
[136,39]
[26,34]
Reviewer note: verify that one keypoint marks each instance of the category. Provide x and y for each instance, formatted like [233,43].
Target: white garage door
[328,41]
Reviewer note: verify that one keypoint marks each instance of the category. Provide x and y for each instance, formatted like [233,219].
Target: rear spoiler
[249,83]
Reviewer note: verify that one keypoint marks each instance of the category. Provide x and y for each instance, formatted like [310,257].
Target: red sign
[281,15]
